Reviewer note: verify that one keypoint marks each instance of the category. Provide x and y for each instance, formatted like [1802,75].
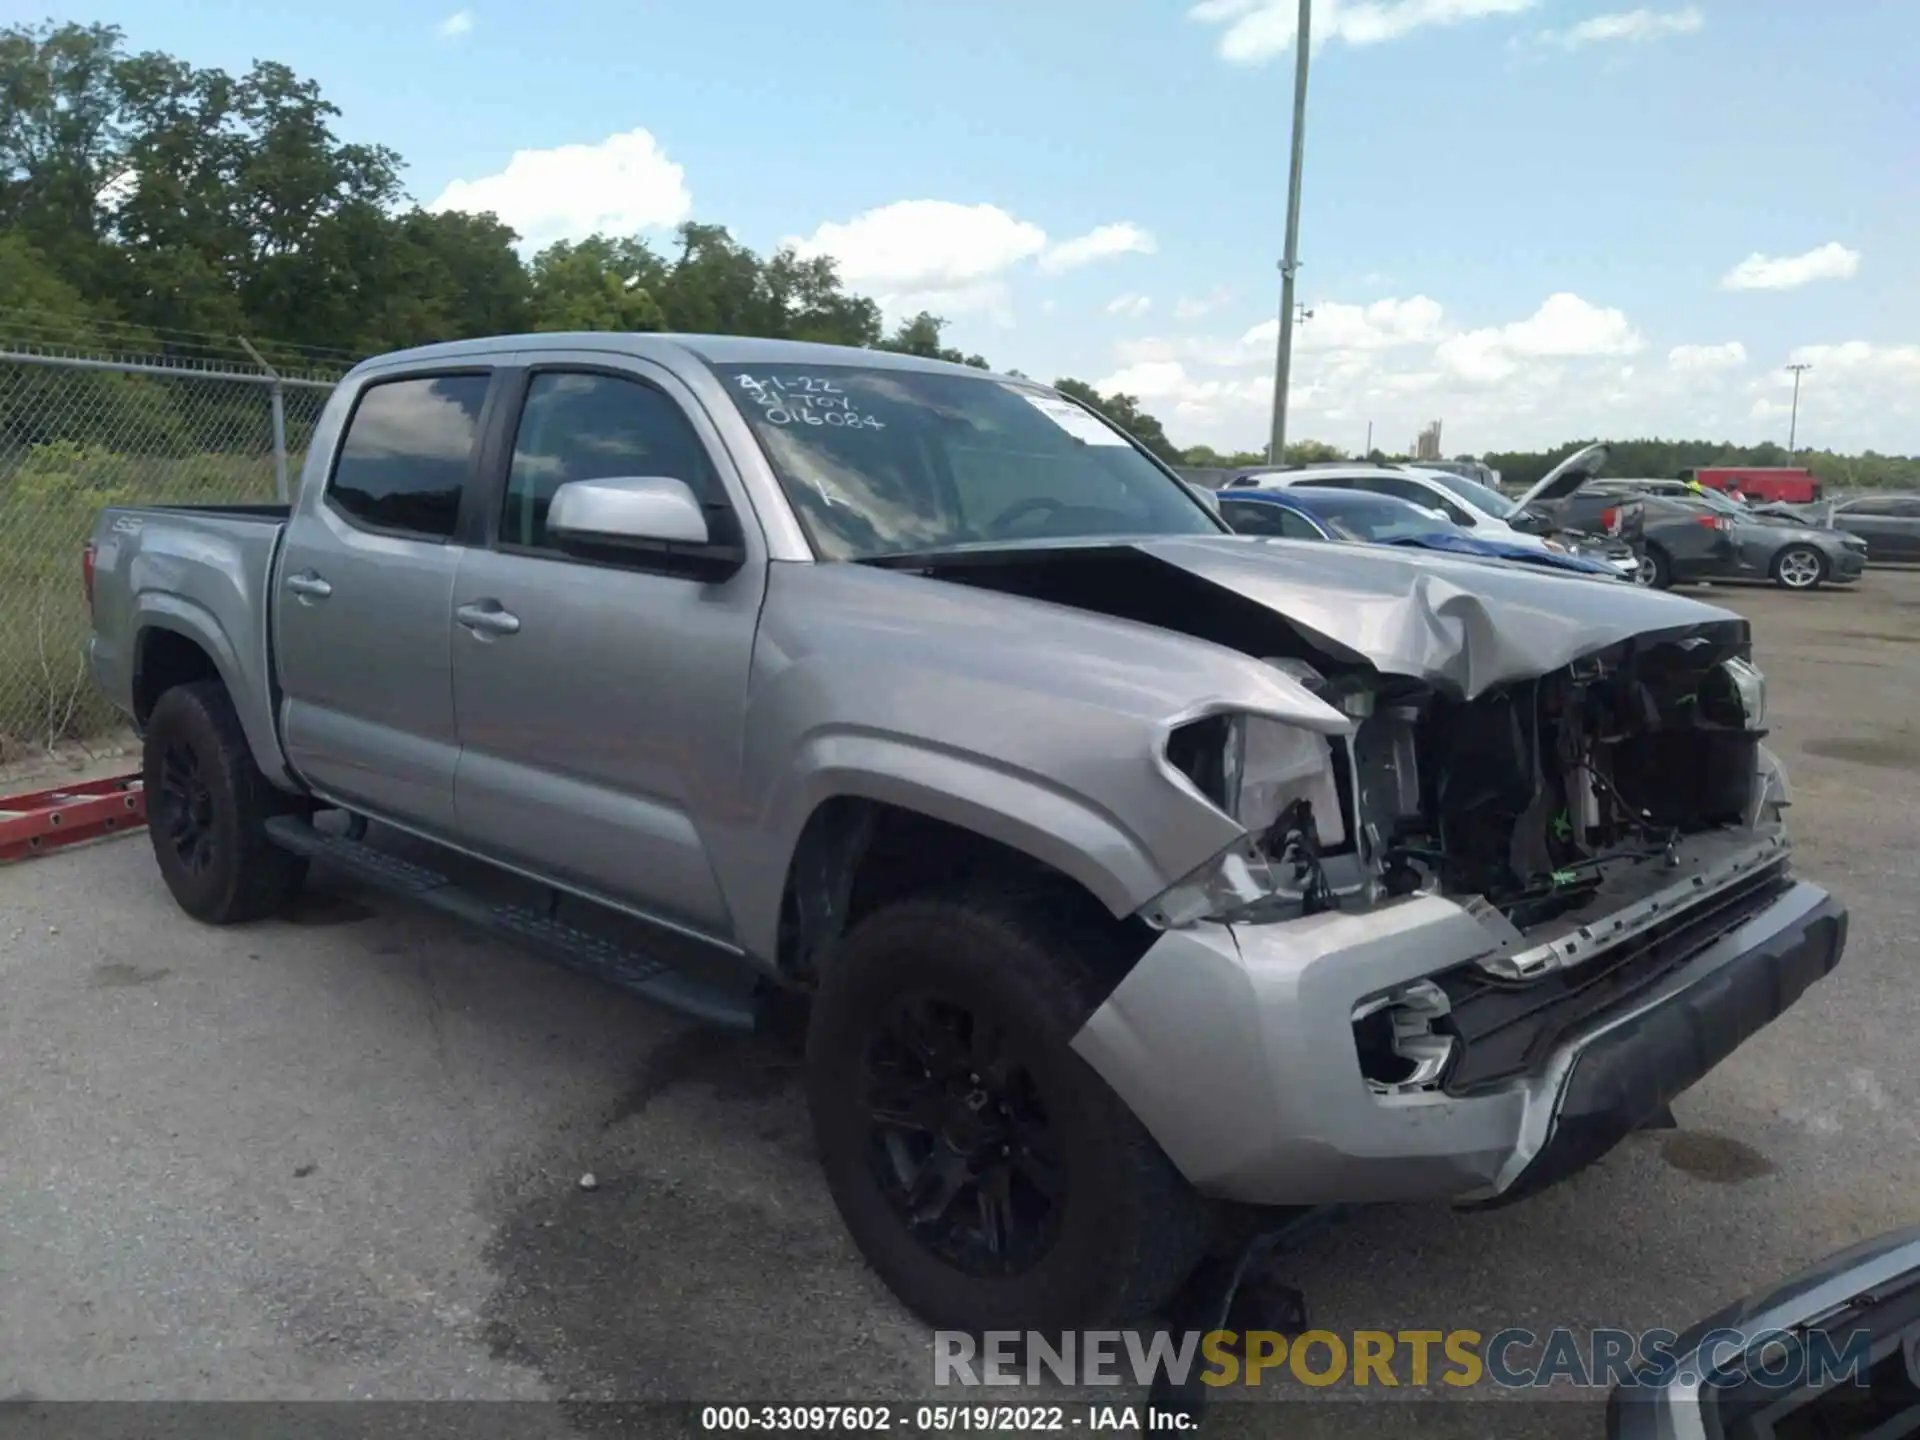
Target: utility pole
[1290,265]
[1368,452]
[1793,425]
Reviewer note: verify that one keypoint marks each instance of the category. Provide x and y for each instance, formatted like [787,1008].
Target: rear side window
[407,453]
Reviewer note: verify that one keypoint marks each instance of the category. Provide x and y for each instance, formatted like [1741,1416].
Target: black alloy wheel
[185,807]
[961,1144]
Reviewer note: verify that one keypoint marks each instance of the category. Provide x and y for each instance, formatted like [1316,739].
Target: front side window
[407,453]
[1382,521]
[584,426]
[883,461]
[1253,517]
[1487,502]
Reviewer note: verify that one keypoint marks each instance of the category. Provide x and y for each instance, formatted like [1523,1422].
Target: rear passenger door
[600,701]
[362,611]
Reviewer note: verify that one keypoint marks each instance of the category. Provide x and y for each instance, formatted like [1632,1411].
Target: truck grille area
[1506,1028]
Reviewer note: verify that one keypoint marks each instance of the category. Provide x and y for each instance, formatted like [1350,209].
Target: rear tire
[207,807]
[1799,567]
[1078,1217]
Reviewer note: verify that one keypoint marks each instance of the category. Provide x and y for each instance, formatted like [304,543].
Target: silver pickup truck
[1137,872]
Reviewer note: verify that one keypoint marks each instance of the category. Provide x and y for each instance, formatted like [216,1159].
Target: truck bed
[201,573]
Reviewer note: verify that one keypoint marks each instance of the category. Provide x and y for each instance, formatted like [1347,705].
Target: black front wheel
[1657,568]
[988,1175]
[207,807]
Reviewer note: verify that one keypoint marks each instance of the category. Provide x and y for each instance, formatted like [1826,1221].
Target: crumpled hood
[1460,626]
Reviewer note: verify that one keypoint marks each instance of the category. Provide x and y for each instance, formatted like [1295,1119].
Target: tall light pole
[1793,425]
[1290,265]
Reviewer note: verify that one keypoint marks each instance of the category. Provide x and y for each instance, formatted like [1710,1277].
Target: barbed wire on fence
[95,416]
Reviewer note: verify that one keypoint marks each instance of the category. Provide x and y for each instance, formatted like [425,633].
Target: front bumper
[1847,564]
[1235,1047]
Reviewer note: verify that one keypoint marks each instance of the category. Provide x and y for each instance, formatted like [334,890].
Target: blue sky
[1530,219]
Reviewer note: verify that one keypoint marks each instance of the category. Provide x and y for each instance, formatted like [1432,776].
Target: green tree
[598,284]
[60,138]
[1125,412]
[922,335]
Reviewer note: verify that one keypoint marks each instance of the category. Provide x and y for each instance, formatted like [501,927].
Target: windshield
[882,461]
[1488,502]
[1377,518]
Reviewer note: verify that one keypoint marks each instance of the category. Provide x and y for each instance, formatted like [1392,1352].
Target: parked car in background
[1790,483]
[1303,512]
[1833,1351]
[1467,469]
[1889,524]
[1467,503]
[1708,538]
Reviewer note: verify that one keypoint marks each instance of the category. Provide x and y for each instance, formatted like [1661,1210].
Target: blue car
[1301,512]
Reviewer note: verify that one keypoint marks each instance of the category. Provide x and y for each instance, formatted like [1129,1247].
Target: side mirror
[636,518]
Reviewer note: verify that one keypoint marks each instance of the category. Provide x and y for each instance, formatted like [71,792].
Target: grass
[50,496]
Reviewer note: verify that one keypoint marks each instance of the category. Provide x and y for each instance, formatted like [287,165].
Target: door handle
[487,617]
[310,585]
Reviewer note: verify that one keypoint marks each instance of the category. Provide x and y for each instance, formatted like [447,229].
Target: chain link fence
[85,422]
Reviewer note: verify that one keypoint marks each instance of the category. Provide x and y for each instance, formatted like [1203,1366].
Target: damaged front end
[1545,805]
[1601,824]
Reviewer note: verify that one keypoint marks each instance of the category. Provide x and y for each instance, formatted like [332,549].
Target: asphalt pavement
[341,1156]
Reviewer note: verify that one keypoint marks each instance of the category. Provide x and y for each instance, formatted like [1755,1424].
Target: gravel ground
[338,1156]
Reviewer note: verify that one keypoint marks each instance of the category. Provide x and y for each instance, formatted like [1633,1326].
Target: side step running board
[567,944]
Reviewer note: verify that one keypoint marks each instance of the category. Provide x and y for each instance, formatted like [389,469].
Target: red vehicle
[1793,486]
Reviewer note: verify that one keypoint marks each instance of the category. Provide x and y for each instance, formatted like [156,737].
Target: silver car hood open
[1461,626]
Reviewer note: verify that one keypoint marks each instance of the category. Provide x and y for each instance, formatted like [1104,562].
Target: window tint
[407,452]
[885,460]
[1417,494]
[595,427]
[1881,505]
[1251,517]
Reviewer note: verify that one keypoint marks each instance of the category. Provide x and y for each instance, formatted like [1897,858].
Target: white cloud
[1571,367]
[924,245]
[1194,307]
[1129,304]
[1257,30]
[1627,25]
[1104,243]
[455,25]
[1831,261]
[1564,327]
[622,185]
[1706,359]
[936,255]
[1383,325]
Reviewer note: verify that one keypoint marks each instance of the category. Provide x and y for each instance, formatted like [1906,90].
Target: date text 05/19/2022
[909,1417]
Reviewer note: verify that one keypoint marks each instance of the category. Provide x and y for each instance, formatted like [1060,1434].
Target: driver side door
[599,701]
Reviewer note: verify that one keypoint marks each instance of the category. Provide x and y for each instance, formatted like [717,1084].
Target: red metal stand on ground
[47,819]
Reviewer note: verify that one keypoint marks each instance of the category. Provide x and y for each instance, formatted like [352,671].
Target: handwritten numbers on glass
[806,400]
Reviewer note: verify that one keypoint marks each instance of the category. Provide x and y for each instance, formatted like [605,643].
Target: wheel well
[164,659]
[857,855]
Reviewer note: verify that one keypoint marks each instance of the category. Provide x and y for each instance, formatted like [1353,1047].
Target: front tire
[1799,567]
[987,1174]
[207,807]
[1658,568]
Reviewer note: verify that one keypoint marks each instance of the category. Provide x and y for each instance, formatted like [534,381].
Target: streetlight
[1793,425]
[1290,265]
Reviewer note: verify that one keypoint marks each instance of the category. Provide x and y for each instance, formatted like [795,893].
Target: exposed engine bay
[1598,794]
[1536,798]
